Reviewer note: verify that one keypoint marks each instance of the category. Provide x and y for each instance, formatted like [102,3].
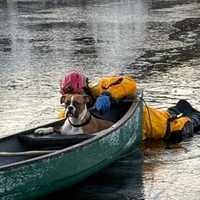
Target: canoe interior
[27,141]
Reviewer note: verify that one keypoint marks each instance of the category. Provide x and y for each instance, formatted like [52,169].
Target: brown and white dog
[78,118]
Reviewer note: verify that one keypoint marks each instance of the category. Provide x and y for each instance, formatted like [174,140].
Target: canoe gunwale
[136,102]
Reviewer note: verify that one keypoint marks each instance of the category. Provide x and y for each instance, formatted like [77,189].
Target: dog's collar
[83,124]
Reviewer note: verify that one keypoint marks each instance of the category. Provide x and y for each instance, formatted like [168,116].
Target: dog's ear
[88,99]
[62,99]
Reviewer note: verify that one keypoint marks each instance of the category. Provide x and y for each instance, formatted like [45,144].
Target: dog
[78,119]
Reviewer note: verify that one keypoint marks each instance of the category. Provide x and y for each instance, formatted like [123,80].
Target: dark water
[156,41]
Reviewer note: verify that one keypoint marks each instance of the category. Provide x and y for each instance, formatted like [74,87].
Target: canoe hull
[65,168]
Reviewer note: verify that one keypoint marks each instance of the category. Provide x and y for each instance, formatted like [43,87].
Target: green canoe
[27,172]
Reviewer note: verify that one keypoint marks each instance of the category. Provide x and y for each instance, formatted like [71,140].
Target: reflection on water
[155,41]
[115,182]
[41,40]
[116,24]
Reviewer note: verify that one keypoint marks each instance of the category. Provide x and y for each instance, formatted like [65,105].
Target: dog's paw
[44,131]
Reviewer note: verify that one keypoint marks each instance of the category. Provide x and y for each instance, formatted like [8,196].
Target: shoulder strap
[114,83]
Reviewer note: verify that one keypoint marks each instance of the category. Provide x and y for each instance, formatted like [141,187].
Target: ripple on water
[155,41]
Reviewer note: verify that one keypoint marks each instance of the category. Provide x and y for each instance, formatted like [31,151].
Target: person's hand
[103,103]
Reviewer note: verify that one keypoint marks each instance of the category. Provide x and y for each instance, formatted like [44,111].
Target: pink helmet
[74,82]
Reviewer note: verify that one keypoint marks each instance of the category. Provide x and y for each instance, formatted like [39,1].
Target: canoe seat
[52,141]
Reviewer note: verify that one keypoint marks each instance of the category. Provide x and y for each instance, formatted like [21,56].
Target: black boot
[183,107]
[195,119]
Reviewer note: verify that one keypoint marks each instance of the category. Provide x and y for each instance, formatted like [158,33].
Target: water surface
[158,42]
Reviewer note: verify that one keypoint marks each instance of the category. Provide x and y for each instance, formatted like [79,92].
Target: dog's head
[75,104]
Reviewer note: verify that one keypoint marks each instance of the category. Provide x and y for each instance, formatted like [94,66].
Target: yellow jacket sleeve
[118,86]
[155,123]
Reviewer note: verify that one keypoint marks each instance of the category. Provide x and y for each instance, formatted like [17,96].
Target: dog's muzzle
[71,110]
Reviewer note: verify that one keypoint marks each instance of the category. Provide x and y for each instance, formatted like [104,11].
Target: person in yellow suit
[175,124]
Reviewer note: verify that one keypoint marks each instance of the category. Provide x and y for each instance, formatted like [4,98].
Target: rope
[151,134]
[151,127]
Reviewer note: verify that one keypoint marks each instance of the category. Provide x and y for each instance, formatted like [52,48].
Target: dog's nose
[70,109]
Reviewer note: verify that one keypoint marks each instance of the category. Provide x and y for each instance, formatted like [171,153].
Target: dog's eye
[67,103]
[76,103]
